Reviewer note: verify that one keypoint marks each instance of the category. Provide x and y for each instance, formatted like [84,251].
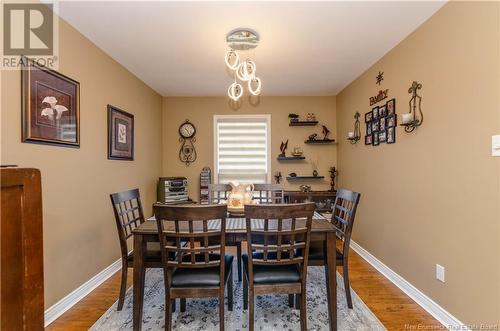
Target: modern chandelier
[243,70]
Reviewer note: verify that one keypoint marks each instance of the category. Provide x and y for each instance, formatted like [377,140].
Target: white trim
[438,312]
[267,117]
[59,308]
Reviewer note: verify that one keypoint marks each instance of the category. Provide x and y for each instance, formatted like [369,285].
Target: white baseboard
[71,299]
[438,312]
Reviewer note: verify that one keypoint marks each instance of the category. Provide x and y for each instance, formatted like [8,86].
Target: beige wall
[433,196]
[200,112]
[80,236]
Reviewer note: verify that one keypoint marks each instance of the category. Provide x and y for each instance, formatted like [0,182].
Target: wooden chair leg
[168,311]
[303,310]
[123,285]
[183,304]
[230,291]
[298,301]
[251,309]
[245,292]
[238,257]
[221,309]
[347,286]
[172,303]
[291,299]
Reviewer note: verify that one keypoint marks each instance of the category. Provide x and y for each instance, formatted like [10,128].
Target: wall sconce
[412,120]
[354,136]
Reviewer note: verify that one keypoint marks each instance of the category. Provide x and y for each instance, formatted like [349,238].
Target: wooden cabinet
[22,302]
[324,199]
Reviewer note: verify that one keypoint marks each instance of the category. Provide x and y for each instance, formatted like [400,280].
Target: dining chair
[217,194]
[343,214]
[275,233]
[268,193]
[196,270]
[128,212]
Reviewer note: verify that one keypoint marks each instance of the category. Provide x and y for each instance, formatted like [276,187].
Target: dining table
[321,230]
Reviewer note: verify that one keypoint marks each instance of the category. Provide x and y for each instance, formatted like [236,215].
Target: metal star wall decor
[380,77]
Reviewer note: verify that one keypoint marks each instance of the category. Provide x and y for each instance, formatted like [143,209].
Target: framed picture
[391,121]
[382,136]
[382,124]
[391,135]
[368,117]
[375,113]
[368,139]
[391,107]
[120,134]
[50,106]
[368,128]
[375,139]
[375,127]
[382,111]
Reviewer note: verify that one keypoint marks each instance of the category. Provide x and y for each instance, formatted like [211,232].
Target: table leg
[331,261]
[139,273]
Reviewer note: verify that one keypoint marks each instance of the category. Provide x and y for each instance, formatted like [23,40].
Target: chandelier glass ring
[235,91]
[232,54]
[258,86]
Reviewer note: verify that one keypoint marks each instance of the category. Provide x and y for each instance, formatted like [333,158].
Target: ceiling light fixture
[245,71]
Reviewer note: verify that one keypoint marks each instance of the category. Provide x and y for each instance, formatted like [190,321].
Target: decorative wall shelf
[303,123]
[305,177]
[290,158]
[320,141]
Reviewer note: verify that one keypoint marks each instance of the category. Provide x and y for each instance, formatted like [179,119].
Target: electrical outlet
[440,272]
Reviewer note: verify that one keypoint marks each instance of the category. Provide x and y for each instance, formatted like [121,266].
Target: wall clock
[187,153]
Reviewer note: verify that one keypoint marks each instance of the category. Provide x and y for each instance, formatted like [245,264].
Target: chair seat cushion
[201,277]
[272,274]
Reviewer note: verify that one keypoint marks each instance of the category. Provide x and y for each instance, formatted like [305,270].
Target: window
[242,148]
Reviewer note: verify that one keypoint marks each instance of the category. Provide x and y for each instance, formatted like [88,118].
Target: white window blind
[242,148]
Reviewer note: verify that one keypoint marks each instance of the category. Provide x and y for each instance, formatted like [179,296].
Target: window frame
[266,117]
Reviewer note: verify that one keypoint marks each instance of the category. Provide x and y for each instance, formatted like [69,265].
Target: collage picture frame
[381,124]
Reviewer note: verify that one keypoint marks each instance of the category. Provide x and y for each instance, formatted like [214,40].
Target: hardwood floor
[392,307]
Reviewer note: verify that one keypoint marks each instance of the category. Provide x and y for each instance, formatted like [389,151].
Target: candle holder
[333,174]
[356,134]
[415,118]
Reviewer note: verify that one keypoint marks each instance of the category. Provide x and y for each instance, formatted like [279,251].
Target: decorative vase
[240,195]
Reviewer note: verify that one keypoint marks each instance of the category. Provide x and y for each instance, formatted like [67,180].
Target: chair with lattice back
[128,212]
[268,193]
[200,269]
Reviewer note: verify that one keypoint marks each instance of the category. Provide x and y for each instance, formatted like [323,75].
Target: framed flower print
[50,106]
[120,134]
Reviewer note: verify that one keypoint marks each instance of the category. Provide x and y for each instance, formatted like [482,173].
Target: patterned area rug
[271,311]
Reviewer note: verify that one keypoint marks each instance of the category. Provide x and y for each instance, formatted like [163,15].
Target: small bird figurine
[326,132]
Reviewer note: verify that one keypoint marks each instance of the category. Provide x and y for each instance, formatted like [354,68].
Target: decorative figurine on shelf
[292,174]
[315,173]
[326,132]
[311,117]
[297,151]
[293,117]
[283,147]
[305,188]
[277,177]
[313,136]
[333,174]
[314,165]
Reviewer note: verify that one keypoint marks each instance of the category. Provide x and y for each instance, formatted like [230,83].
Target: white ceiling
[307,48]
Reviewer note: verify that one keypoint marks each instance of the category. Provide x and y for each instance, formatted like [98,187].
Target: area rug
[271,311]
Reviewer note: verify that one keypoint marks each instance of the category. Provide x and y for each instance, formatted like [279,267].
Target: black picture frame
[391,135]
[375,126]
[375,139]
[375,113]
[368,139]
[391,121]
[120,134]
[391,106]
[368,117]
[381,125]
[382,136]
[368,129]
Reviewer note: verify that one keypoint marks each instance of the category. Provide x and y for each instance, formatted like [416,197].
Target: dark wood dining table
[321,230]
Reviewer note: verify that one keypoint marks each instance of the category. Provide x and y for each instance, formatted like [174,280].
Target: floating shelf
[320,141]
[303,123]
[305,177]
[290,158]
